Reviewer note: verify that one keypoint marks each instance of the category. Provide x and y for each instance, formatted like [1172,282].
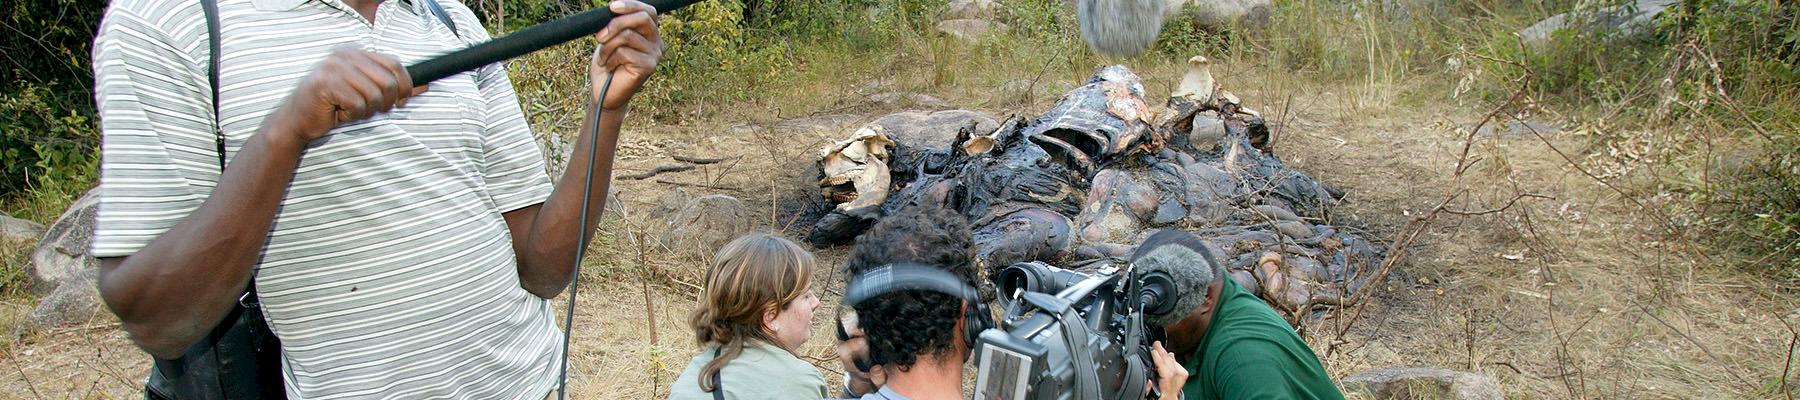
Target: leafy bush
[1703,117]
[1736,66]
[47,132]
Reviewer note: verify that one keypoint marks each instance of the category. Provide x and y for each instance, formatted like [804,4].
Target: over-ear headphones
[909,276]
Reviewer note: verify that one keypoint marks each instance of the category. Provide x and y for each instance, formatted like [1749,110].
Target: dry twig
[700,160]
[699,185]
[659,169]
[1788,365]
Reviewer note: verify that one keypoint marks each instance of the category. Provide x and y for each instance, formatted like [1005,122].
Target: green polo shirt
[1251,353]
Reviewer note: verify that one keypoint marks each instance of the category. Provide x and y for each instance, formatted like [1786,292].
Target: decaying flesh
[1094,175]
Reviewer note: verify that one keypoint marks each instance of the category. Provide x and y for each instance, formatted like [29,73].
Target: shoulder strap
[248,299]
[212,73]
[718,383]
[438,11]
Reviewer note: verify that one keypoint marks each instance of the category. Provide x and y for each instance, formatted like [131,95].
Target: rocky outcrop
[969,30]
[970,9]
[19,230]
[707,223]
[62,271]
[1225,14]
[1632,21]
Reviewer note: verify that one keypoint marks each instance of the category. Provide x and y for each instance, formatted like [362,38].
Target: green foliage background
[48,138]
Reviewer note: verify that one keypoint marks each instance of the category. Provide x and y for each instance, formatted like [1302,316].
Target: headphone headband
[906,276]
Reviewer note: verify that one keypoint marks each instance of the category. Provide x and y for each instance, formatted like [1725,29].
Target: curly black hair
[901,326]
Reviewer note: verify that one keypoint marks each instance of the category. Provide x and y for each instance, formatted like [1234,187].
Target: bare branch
[659,169]
[1509,205]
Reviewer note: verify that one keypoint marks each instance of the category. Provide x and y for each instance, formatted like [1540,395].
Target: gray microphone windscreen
[1120,28]
[1191,267]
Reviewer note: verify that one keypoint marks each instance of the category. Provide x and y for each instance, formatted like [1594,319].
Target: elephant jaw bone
[860,163]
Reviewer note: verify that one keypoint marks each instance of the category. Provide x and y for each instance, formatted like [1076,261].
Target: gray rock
[707,223]
[1225,14]
[70,304]
[970,9]
[935,129]
[969,30]
[19,230]
[672,202]
[1422,383]
[62,257]
[908,100]
[828,122]
[1633,21]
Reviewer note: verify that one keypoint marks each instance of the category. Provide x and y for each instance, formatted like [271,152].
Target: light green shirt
[763,371]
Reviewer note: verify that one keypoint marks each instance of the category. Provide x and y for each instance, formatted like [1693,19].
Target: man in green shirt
[1232,344]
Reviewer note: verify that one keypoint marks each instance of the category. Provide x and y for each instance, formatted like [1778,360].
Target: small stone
[1422,383]
[19,230]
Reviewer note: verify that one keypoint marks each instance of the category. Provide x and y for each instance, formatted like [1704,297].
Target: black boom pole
[532,38]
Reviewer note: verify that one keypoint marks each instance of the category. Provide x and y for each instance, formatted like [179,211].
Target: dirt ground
[1575,294]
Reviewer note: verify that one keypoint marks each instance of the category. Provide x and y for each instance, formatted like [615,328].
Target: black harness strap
[438,11]
[718,384]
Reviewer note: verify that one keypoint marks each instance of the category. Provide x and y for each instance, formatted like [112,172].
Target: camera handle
[1075,334]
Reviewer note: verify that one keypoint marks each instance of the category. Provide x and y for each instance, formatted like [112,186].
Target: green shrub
[1703,114]
[43,142]
[1737,67]
[47,132]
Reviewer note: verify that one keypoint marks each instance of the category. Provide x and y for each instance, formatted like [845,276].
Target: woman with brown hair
[753,315]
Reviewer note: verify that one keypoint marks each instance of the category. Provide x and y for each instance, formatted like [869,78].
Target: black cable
[587,184]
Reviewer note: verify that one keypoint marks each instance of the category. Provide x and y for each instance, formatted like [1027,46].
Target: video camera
[1073,335]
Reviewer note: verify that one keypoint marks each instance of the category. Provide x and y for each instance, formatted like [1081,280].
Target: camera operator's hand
[349,85]
[857,348]
[630,46]
[1170,375]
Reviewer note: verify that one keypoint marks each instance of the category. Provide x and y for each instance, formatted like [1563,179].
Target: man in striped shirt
[405,241]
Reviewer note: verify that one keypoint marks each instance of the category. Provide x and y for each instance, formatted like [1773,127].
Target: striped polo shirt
[389,271]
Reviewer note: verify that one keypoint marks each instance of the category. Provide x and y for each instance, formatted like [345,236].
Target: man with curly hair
[914,337]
